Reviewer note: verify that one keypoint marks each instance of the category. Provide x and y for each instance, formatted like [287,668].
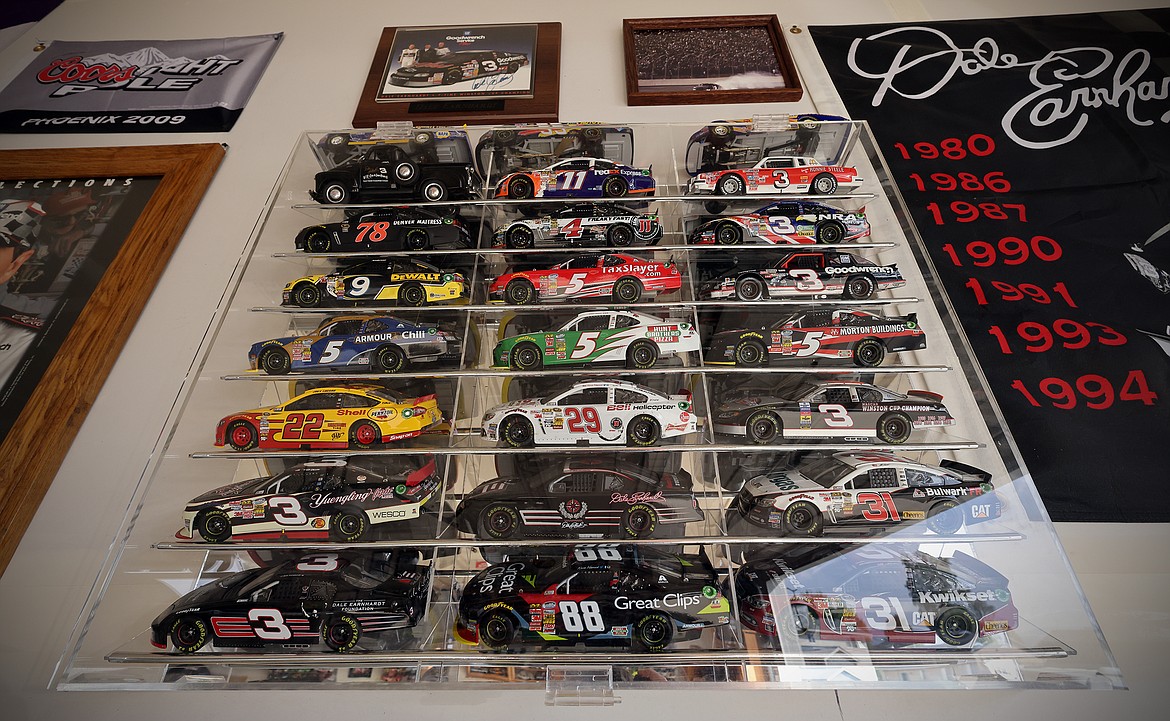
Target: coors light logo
[145,69]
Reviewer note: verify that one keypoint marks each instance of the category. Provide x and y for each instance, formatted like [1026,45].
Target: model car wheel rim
[501,522]
[870,353]
[956,627]
[318,242]
[527,358]
[413,295]
[749,289]
[945,518]
[830,233]
[640,521]
[730,185]
[654,631]
[644,355]
[434,191]
[242,435]
[620,236]
[365,434]
[643,431]
[520,188]
[496,630]
[749,354]
[307,296]
[416,239]
[825,185]
[520,237]
[860,287]
[349,524]
[518,431]
[614,187]
[727,234]
[520,292]
[763,428]
[336,193]
[216,527]
[894,428]
[275,362]
[390,359]
[404,171]
[627,291]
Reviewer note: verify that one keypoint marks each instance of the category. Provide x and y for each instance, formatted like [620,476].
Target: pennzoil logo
[145,69]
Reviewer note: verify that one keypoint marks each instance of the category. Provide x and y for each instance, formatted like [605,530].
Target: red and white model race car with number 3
[777,174]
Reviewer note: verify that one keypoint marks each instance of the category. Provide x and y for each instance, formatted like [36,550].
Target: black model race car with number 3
[805,274]
[638,596]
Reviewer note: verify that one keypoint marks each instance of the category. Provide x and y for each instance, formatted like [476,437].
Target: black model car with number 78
[606,595]
[333,598]
[847,410]
[580,499]
[874,594]
[386,229]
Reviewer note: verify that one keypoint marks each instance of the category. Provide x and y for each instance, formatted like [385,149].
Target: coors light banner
[136,86]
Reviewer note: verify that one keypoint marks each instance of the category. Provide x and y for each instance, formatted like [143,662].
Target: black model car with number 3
[606,595]
[332,598]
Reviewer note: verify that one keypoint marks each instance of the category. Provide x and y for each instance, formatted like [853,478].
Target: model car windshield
[826,471]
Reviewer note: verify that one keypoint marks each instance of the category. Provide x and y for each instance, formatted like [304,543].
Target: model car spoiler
[927,395]
[964,468]
[974,566]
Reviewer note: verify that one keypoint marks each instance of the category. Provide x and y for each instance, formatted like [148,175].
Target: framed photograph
[456,74]
[695,61]
[84,235]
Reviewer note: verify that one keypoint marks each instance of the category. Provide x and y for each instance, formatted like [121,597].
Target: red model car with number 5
[623,277]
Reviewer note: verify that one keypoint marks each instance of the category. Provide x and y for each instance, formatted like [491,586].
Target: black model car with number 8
[580,499]
[332,598]
[847,410]
[606,595]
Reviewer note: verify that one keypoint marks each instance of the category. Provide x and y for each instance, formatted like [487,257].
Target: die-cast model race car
[637,339]
[819,332]
[786,222]
[386,171]
[459,66]
[338,599]
[805,273]
[874,594]
[379,344]
[638,596]
[847,410]
[625,278]
[320,500]
[405,281]
[777,174]
[508,149]
[583,223]
[577,178]
[598,411]
[581,499]
[330,417]
[864,488]
[739,143]
[386,229]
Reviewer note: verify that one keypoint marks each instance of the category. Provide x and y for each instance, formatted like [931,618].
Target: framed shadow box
[701,60]
[464,73]
[86,235]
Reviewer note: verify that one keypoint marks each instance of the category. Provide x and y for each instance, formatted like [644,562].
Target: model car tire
[804,622]
[526,357]
[413,295]
[498,521]
[341,633]
[714,207]
[504,138]
[869,353]
[389,359]
[750,354]
[517,431]
[830,232]
[956,626]
[591,134]
[214,525]
[640,521]
[242,435]
[364,434]
[653,632]
[944,519]
[804,519]
[642,354]
[274,361]
[824,184]
[730,184]
[620,236]
[720,134]
[520,188]
[453,75]
[520,292]
[405,171]
[614,187]
[348,525]
[764,427]
[434,191]
[496,629]
[318,241]
[335,192]
[416,239]
[519,237]
[189,634]
[728,234]
[643,431]
[306,295]
[627,290]
[894,427]
[423,138]
[859,287]
[749,288]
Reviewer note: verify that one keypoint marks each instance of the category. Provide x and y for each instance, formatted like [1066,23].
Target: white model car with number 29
[600,411]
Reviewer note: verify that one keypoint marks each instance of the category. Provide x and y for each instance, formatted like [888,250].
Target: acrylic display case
[968,589]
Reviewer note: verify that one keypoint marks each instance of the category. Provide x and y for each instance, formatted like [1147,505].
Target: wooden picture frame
[34,448]
[694,85]
[542,107]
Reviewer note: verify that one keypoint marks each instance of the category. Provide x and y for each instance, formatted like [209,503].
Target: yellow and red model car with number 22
[330,417]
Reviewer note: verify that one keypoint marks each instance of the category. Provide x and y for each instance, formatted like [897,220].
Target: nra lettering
[670,600]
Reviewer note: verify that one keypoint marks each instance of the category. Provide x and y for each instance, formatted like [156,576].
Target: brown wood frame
[542,107]
[791,93]
[35,447]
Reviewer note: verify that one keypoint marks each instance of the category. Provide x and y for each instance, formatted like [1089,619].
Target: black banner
[1034,155]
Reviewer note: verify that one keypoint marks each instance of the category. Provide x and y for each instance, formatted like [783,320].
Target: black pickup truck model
[388,171]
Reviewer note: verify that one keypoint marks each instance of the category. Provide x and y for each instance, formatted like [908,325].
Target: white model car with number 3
[601,411]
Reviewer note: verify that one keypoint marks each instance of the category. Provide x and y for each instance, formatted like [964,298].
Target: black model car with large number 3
[606,595]
[580,499]
[333,598]
[458,66]
[805,274]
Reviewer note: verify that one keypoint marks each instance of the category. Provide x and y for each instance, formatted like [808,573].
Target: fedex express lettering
[1068,83]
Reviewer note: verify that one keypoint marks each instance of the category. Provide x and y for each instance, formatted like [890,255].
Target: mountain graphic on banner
[146,59]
